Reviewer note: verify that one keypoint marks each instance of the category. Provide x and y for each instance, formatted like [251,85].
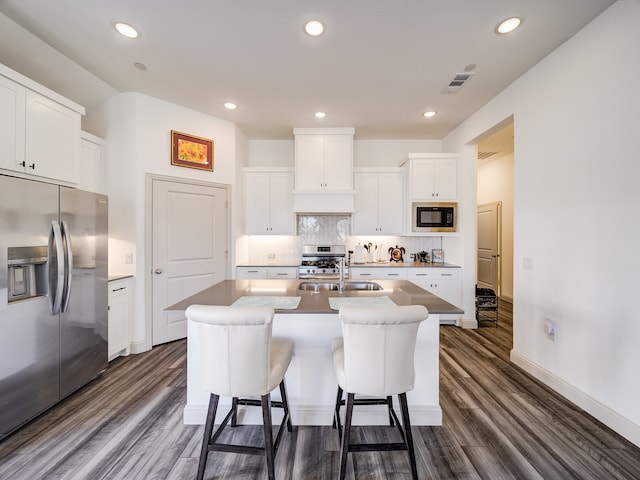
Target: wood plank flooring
[499,423]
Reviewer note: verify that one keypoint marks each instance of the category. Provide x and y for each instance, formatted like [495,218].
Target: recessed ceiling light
[230,106]
[320,114]
[126,30]
[508,25]
[314,28]
[429,114]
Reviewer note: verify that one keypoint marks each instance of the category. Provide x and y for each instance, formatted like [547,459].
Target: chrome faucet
[341,272]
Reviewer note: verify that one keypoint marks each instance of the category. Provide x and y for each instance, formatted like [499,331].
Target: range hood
[323,202]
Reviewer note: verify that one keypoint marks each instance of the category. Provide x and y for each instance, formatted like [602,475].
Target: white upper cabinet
[433,177]
[324,162]
[92,164]
[12,110]
[39,130]
[269,202]
[323,170]
[379,202]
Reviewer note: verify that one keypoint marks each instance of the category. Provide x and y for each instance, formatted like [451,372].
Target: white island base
[311,383]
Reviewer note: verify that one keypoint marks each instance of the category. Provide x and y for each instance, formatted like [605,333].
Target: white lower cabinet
[244,273]
[443,282]
[119,317]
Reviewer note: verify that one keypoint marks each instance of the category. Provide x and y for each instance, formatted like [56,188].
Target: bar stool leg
[336,415]
[408,435]
[285,405]
[208,429]
[234,408]
[265,400]
[344,447]
[390,408]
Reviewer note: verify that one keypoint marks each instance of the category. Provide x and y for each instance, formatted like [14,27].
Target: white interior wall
[138,131]
[495,184]
[575,215]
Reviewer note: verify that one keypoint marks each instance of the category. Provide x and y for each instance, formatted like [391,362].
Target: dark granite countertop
[401,292]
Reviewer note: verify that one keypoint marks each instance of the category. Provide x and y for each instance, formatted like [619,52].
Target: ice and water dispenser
[27,272]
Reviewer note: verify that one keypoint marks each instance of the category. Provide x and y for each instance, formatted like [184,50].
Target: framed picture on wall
[191,151]
[437,255]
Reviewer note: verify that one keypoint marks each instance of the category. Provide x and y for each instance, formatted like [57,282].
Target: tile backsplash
[324,229]
[331,230]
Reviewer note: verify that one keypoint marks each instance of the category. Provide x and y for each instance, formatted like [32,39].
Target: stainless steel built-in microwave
[433,217]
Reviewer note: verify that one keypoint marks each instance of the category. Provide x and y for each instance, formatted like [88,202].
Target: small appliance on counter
[422,257]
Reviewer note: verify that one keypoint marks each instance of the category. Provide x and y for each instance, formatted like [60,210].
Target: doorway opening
[495,204]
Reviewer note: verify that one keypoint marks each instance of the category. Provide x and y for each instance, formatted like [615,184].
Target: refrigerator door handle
[56,278]
[68,266]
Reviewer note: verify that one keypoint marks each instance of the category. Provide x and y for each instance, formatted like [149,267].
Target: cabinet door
[92,167]
[422,179]
[52,139]
[12,98]
[365,218]
[390,203]
[443,282]
[434,179]
[257,221]
[338,162]
[119,315]
[309,162]
[282,219]
[446,177]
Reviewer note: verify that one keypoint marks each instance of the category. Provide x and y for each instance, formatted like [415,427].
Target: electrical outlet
[551,328]
[527,263]
[271,256]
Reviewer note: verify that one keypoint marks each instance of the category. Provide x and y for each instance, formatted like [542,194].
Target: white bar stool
[375,358]
[241,359]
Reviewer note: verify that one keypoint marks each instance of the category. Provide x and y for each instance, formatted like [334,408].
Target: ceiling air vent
[485,155]
[458,82]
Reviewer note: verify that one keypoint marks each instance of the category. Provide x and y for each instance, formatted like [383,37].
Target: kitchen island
[307,317]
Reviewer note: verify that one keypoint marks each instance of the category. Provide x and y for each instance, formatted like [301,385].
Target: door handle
[158,271]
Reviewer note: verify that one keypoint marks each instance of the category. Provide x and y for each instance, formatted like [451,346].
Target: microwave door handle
[68,266]
[56,278]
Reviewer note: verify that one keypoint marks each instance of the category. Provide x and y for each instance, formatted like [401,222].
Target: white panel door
[189,249]
[489,246]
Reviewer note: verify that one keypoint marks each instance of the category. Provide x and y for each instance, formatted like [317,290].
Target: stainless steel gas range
[322,262]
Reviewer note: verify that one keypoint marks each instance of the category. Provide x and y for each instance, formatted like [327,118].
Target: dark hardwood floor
[498,423]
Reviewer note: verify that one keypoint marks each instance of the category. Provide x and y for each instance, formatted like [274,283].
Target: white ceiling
[379,65]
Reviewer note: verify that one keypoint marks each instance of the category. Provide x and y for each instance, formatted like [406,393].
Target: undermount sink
[335,286]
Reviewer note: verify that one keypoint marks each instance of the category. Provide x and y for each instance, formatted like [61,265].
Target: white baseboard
[138,347]
[468,323]
[606,415]
[421,415]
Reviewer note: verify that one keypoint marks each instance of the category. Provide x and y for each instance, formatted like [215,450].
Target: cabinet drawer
[243,273]
[378,273]
[282,272]
[433,273]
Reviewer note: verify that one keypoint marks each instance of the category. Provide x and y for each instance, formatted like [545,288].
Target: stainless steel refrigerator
[53,295]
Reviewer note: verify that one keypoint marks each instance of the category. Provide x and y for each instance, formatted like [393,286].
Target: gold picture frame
[191,151]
